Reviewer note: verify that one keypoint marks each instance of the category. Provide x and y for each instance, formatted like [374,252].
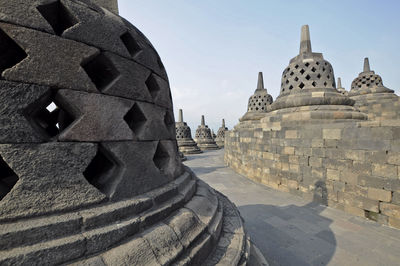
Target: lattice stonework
[368,80]
[259,102]
[183,131]
[307,74]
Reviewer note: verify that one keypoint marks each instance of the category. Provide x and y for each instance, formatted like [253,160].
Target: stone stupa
[308,89]
[204,138]
[220,139]
[372,97]
[89,166]
[340,89]
[184,137]
[258,102]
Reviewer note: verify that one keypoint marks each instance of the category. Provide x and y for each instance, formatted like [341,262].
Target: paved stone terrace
[292,231]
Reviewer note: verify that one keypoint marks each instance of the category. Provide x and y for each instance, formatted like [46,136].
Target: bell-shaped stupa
[308,89]
[258,102]
[204,138]
[372,97]
[220,139]
[89,167]
[184,137]
[340,89]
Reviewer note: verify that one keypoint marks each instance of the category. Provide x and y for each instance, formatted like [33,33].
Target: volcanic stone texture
[352,166]
[90,171]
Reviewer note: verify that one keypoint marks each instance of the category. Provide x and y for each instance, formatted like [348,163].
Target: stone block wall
[379,106]
[352,166]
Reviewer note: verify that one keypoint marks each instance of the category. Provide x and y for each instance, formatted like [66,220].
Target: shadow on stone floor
[205,170]
[292,235]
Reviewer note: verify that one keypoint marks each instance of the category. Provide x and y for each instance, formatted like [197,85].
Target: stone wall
[353,166]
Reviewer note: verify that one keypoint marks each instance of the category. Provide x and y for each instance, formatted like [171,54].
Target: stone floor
[292,231]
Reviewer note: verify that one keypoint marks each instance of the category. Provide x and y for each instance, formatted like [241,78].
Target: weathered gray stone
[204,138]
[97,117]
[16,98]
[47,53]
[50,178]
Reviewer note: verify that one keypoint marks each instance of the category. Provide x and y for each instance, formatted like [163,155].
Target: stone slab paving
[292,231]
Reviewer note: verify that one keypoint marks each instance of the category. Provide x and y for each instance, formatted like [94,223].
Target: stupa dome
[89,167]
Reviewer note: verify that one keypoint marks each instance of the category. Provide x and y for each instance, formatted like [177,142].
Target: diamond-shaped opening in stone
[291,73]
[319,76]
[296,66]
[135,119]
[101,171]
[328,77]
[302,71]
[313,69]
[290,87]
[58,16]
[307,64]
[287,81]
[168,119]
[48,116]
[8,178]
[323,69]
[10,53]
[314,84]
[296,79]
[308,77]
[102,72]
[301,85]
[130,44]
[161,157]
[325,83]
[152,86]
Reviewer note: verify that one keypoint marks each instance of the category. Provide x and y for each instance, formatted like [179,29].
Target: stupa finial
[180,115]
[260,82]
[203,123]
[366,65]
[223,123]
[305,41]
[339,82]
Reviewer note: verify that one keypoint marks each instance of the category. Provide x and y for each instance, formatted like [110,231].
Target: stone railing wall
[352,166]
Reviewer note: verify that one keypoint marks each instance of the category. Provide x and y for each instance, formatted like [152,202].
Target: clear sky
[214,49]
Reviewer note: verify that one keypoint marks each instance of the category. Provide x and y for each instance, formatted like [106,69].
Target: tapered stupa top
[203,123]
[305,41]
[260,82]
[366,65]
[223,123]
[339,82]
[180,115]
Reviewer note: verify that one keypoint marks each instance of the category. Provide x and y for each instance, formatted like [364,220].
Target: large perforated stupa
[89,166]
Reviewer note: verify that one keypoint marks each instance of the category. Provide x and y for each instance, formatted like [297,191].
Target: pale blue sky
[213,49]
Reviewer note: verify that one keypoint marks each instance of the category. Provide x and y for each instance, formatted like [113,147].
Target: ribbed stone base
[185,222]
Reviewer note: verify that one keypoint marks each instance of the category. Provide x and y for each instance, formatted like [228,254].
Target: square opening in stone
[102,72]
[10,52]
[48,116]
[58,16]
[161,157]
[130,43]
[152,86]
[135,119]
[101,171]
[8,178]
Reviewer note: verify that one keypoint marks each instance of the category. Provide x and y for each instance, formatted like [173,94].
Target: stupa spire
[203,123]
[305,41]
[260,82]
[366,65]
[223,123]
[339,82]
[180,115]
